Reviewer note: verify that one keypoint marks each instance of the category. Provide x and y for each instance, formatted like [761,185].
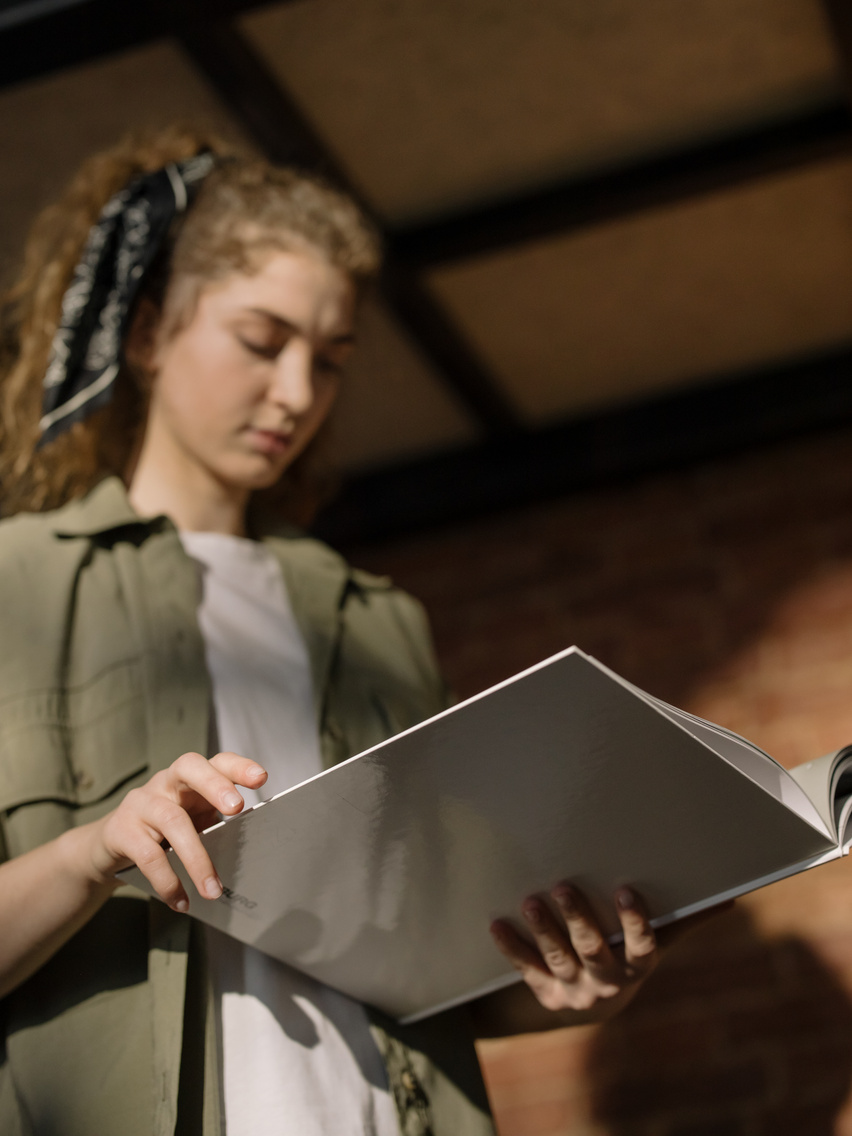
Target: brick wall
[726,589]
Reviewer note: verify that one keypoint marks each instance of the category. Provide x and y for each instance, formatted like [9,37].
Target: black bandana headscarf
[122,245]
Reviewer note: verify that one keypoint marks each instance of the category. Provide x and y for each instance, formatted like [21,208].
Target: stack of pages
[380,876]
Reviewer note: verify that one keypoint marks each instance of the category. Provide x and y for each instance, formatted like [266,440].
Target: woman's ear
[140,343]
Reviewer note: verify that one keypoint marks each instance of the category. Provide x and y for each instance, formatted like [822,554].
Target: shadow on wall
[748,1038]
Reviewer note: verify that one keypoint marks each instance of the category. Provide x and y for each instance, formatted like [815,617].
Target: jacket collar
[107,508]
[318,580]
[103,510]
[316,577]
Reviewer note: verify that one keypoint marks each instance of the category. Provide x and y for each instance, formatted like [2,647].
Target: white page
[819,779]
[753,761]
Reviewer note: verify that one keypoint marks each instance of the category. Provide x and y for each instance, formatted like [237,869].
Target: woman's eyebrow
[343,340]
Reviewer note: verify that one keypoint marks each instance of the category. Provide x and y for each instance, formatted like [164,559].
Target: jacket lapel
[317,581]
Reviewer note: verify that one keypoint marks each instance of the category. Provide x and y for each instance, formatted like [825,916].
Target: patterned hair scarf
[86,351]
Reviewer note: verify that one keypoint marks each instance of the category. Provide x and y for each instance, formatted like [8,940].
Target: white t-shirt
[298,1057]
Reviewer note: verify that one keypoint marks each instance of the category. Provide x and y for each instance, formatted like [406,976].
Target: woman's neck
[187,494]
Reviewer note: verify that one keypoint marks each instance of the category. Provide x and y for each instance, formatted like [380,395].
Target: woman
[173,349]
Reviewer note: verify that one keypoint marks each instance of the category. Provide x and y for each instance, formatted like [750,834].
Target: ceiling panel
[48,126]
[729,281]
[430,105]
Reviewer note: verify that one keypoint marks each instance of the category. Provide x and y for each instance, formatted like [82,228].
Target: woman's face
[240,390]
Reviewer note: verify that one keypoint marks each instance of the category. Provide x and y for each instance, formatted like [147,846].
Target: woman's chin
[254,473]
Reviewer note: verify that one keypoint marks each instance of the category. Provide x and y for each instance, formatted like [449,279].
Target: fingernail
[256,771]
[181,905]
[625,899]
[213,887]
[533,912]
[233,800]
[566,899]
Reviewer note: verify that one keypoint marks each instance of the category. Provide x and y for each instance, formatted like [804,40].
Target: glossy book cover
[381,875]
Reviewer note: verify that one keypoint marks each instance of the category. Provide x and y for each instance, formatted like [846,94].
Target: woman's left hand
[570,966]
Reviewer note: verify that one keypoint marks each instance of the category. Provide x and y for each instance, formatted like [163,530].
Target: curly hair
[244,208]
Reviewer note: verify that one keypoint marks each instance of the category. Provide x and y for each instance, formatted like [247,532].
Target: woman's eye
[264,350]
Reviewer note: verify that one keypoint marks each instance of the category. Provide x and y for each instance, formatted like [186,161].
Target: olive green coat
[102,682]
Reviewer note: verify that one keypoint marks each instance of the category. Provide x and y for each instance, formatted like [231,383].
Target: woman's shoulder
[38,537]
[386,630]
[27,532]
[375,609]
[311,563]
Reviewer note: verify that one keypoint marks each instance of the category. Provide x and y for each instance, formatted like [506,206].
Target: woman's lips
[270,441]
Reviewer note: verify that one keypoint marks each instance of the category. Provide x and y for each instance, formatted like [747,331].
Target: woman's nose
[292,382]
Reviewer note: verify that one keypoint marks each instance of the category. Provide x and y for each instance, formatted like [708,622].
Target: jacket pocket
[75,747]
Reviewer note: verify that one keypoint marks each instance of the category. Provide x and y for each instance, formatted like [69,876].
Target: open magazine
[381,875]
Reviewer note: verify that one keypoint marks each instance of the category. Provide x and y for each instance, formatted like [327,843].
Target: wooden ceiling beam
[686,425]
[839,16]
[242,80]
[273,120]
[700,168]
[38,37]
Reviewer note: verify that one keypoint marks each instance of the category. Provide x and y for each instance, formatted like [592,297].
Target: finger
[150,858]
[209,780]
[157,822]
[240,770]
[177,828]
[552,941]
[523,956]
[526,959]
[587,939]
[640,942]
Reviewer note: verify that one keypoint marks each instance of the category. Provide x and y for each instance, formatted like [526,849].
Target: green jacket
[102,682]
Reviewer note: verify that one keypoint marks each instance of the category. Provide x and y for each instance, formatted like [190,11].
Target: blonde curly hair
[243,208]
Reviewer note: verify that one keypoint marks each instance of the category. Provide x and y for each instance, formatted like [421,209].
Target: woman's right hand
[51,891]
[170,810]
